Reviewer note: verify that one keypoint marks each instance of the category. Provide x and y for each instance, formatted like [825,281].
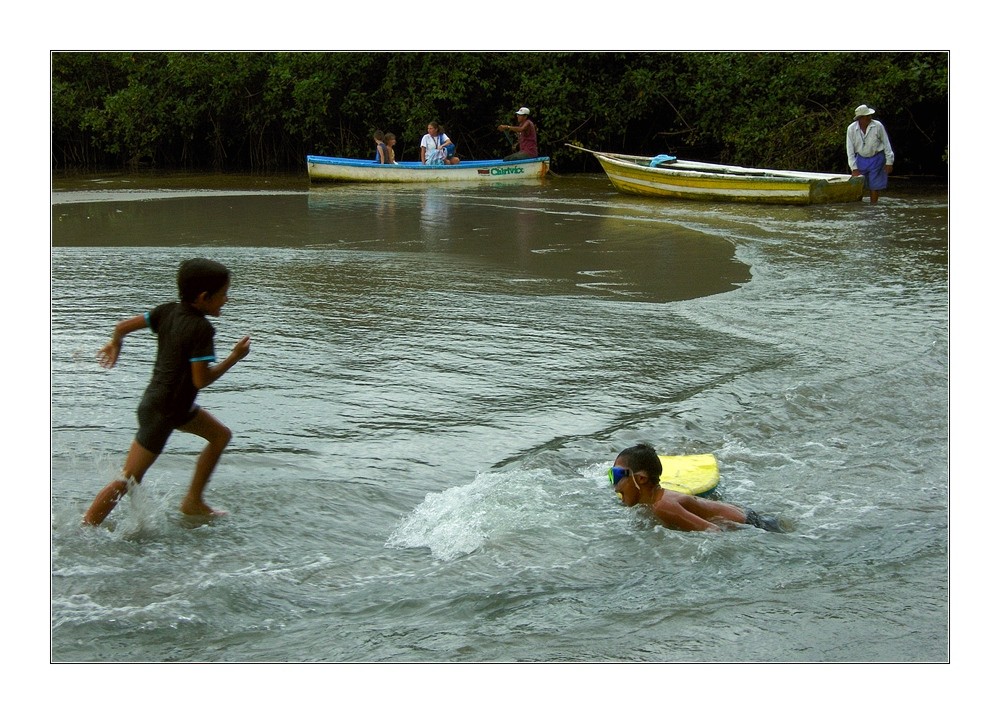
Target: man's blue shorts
[873,169]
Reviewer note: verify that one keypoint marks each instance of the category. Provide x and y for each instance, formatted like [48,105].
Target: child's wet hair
[643,457]
[200,275]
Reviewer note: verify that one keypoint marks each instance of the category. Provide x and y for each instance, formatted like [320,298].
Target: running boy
[636,478]
[185,351]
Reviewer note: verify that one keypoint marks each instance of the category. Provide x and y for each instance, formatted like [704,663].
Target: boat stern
[845,190]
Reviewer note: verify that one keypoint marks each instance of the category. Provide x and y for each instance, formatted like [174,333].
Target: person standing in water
[869,153]
[635,477]
[184,356]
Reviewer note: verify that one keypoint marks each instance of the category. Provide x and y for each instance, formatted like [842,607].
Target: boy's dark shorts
[767,523]
[155,425]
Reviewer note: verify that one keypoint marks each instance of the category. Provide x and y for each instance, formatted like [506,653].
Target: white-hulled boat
[332,168]
[668,177]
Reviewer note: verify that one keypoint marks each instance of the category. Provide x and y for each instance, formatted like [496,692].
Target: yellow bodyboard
[696,474]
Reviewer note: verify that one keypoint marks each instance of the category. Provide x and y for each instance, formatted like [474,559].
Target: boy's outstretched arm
[203,374]
[107,356]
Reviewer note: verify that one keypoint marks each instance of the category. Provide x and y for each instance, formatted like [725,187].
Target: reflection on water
[553,242]
[434,212]
[557,242]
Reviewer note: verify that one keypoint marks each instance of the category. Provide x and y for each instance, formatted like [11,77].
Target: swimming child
[636,478]
[184,356]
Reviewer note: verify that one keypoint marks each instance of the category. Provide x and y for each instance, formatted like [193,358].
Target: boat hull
[718,182]
[329,168]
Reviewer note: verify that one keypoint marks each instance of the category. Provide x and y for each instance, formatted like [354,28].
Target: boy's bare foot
[200,509]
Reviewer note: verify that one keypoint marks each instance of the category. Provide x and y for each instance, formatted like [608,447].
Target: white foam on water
[462,519]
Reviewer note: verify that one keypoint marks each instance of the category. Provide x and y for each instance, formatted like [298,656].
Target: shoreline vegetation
[265,111]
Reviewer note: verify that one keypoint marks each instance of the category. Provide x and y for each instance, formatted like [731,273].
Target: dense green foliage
[266,111]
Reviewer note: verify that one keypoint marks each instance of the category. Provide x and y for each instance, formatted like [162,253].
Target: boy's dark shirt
[183,336]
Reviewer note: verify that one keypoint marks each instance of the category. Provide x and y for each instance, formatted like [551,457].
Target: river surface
[438,382]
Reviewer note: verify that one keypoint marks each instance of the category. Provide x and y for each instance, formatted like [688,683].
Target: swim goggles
[617,473]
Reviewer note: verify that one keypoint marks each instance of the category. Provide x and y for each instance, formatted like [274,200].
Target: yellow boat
[668,177]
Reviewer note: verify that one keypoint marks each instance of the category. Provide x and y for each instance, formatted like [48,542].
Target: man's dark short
[155,426]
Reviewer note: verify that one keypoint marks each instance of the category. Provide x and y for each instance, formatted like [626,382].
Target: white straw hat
[863,111]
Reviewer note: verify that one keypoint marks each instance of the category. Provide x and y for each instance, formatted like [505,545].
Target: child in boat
[381,156]
[636,478]
[390,141]
[184,356]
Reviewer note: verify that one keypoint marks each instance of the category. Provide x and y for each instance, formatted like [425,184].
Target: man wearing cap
[868,151]
[527,139]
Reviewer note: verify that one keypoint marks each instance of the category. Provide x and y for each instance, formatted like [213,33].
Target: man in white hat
[869,153]
[527,139]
